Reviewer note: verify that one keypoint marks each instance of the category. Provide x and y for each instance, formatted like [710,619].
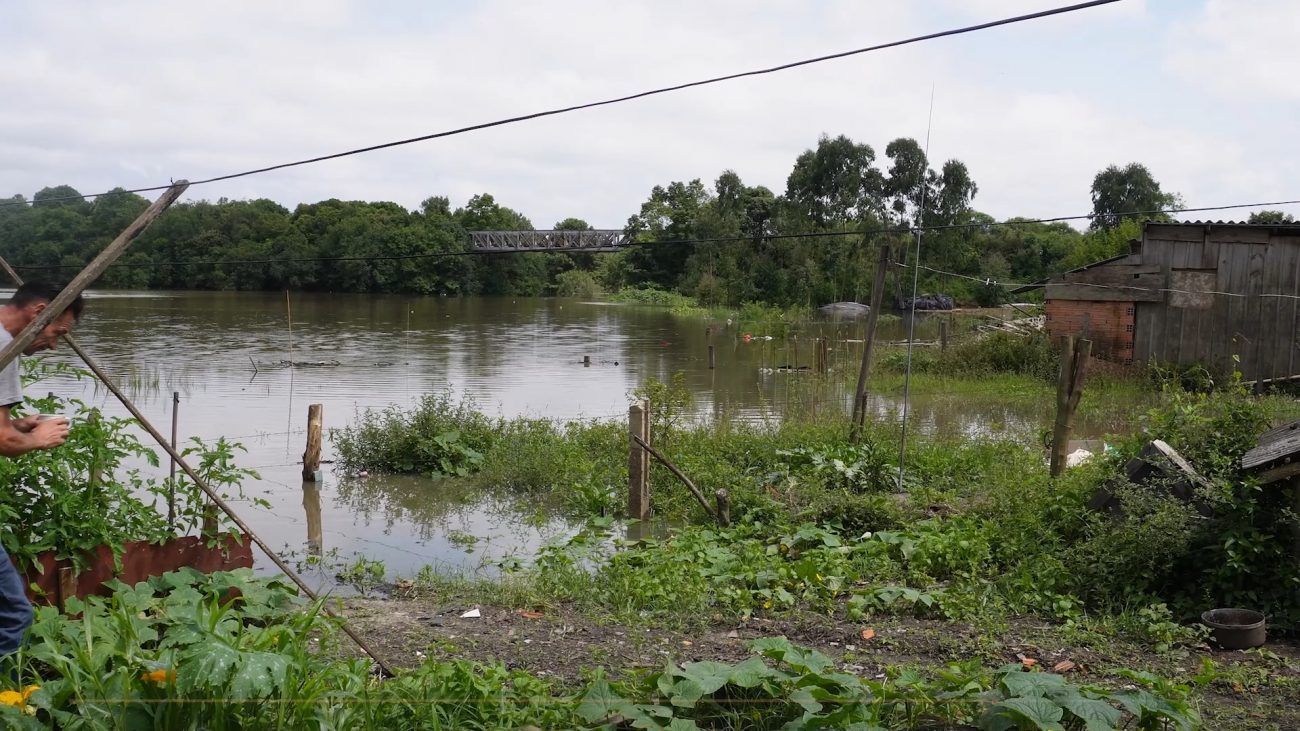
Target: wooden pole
[868,344]
[724,508]
[586,361]
[171,482]
[88,275]
[311,506]
[311,457]
[1069,389]
[699,496]
[943,335]
[713,359]
[67,585]
[212,494]
[638,465]
[96,467]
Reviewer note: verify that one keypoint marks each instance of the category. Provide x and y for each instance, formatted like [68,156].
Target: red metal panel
[140,561]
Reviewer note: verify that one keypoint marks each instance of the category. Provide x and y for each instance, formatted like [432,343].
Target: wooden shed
[1222,295]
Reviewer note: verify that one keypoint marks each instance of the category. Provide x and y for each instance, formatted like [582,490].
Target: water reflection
[510,356]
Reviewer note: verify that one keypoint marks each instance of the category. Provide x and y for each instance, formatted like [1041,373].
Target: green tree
[1128,192]
[835,184]
[1274,217]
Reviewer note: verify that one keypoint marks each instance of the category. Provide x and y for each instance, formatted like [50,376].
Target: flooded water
[220,352]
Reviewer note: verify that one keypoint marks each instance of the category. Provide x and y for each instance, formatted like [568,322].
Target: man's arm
[43,435]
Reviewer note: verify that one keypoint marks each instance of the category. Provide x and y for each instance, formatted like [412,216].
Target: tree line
[838,186]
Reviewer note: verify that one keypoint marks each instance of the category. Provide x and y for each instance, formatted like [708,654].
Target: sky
[134,94]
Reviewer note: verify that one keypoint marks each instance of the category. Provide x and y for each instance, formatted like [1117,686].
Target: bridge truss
[506,241]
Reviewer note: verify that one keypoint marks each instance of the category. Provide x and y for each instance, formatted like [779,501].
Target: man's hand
[26,423]
[49,433]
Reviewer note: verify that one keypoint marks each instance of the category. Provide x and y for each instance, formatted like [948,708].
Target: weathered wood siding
[1200,321]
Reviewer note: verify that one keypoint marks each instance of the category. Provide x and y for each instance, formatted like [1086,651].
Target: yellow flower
[160,676]
[27,692]
[11,698]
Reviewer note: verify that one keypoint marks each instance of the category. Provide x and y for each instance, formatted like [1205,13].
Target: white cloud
[138,93]
[1241,51]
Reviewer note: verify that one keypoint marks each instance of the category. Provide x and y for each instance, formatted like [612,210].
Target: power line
[993,282]
[895,230]
[617,100]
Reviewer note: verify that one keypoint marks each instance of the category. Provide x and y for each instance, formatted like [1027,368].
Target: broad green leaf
[258,675]
[709,675]
[685,693]
[804,697]
[599,702]
[1097,715]
[750,673]
[206,666]
[1044,714]
[1031,684]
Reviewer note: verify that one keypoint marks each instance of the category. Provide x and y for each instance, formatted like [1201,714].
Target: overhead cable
[616,100]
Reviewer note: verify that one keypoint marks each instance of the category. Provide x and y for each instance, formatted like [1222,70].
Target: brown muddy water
[512,356]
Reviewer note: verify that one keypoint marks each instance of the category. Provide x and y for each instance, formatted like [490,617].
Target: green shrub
[576,283]
[438,438]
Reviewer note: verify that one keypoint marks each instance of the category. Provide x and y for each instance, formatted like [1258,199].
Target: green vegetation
[226,651]
[839,186]
[79,497]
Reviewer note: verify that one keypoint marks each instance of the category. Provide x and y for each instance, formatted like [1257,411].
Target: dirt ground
[1253,690]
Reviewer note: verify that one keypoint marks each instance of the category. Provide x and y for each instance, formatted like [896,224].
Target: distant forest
[840,185]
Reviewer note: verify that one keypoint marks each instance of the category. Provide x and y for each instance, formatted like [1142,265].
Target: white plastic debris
[472,614]
[1077,457]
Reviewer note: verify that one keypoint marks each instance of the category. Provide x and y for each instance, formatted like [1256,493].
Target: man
[22,435]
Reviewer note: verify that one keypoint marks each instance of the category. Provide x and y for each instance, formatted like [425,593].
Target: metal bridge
[505,241]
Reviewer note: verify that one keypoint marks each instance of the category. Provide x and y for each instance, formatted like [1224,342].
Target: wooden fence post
[713,359]
[311,457]
[869,339]
[1069,389]
[822,351]
[638,461]
[943,335]
[724,508]
[67,586]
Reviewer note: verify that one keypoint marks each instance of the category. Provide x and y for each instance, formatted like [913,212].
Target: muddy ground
[1255,690]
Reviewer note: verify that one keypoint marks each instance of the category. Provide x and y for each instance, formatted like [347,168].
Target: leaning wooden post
[638,463]
[171,482]
[311,457]
[724,508]
[1069,389]
[868,344]
[88,275]
[212,494]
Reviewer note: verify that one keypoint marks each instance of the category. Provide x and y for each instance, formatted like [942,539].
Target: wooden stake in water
[311,456]
[868,343]
[638,461]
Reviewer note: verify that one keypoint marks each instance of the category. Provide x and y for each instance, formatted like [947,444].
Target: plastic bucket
[1235,629]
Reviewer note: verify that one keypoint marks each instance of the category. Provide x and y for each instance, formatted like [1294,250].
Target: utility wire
[899,230]
[617,100]
[993,282]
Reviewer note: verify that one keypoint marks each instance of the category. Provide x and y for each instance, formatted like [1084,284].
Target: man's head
[30,300]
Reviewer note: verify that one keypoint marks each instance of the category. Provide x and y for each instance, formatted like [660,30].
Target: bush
[576,283]
[437,438]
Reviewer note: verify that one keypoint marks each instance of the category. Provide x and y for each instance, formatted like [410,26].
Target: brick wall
[1108,324]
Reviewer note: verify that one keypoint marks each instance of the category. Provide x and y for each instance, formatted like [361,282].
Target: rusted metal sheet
[140,560]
